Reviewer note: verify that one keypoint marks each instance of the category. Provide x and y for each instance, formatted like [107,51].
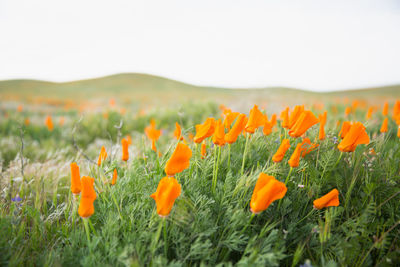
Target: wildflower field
[200,184]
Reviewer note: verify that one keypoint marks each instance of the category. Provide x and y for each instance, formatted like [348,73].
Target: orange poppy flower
[229,118]
[20,108]
[75,179]
[307,147]
[256,119]
[385,110]
[219,134]
[347,111]
[237,128]
[369,113]
[102,155]
[267,130]
[125,151]
[295,158]
[168,190]
[129,139]
[328,200]
[396,110]
[285,118]
[179,160]
[152,133]
[280,153]
[322,122]
[178,132]
[273,120]
[88,196]
[384,126]
[204,130]
[266,191]
[49,123]
[203,150]
[115,176]
[27,122]
[294,115]
[398,132]
[153,145]
[303,123]
[345,129]
[356,136]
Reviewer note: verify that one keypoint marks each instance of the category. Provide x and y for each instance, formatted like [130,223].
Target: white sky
[318,45]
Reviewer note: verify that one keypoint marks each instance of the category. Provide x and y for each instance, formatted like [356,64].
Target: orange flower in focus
[266,191]
[369,113]
[267,130]
[75,179]
[345,129]
[256,119]
[178,132]
[307,147]
[294,115]
[285,118]
[125,151]
[328,200]
[347,111]
[322,122]
[384,126]
[115,176]
[356,136]
[179,160]
[219,134]
[229,118]
[303,123]
[151,132]
[295,158]
[280,153]
[88,196]
[204,130]
[168,190]
[49,123]
[273,120]
[385,110]
[203,150]
[237,128]
[102,156]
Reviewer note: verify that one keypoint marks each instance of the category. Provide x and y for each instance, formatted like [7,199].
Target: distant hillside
[144,88]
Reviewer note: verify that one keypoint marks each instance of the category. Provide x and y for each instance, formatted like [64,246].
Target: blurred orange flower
[125,151]
[49,123]
[178,132]
[384,127]
[168,190]
[102,155]
[115,176]
[219,134]
[75,179]
[280,153]
[88,196]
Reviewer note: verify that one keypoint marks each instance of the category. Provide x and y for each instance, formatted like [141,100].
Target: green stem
[306,216]
[244,154]
[85,223]
[248,224]
[229,156]
[214,184]
[340,156]
[287,178]
[165,238]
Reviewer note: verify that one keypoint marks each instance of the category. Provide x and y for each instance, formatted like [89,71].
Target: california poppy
[385,110]
[114,178]
[322,122]
[285,118]
[179,160]
[295,114]
[307,147]
[345,129]
[396,110]
[295,158]
[237,128]
[229,118]
[384,126]
[153,145]
[168,190]
[273,120]
[347,111]
[129,139]
[203,150]
[219,134]
[266,191]
[49,123]
[19,108]
[303,123]
[88,196]
[204,130]
[398,132]
[152,133]
[280,153]
[178,132]
[75,179]
[267,130]
[125,151]
[27,122]
[102,155]
[256,119]
[369,113]
[356,136]
[328,200]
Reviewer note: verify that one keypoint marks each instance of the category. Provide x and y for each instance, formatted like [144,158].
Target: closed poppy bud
[273,120]
[278,156]
[179,160]
[114,178]
[294,115]
[229,118]
[385,110]
[102,155]
[347,111]
[256,119]
[151,132]
[303,123]
[384,126]
[285,118]
[75,178]
[219,134]
[295,158]
[49,123]
[168,190]
[204,130]
[203,150]
[267,130]
[125,151]
[369,113]
[357,135]
[237,128]
[88,196]
[266,191]
[345,129]
[328,200]
[178,132]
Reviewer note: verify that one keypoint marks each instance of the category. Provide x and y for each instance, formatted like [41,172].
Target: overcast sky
[318,45]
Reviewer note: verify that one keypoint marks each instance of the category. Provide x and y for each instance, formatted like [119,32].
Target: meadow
[211,222]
